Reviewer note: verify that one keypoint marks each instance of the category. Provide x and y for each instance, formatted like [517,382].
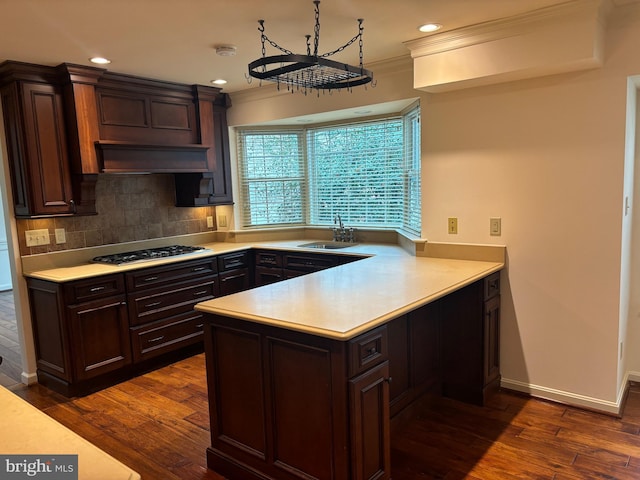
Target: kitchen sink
[328,245]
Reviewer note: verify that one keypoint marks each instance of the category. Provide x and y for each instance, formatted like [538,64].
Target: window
[367,172]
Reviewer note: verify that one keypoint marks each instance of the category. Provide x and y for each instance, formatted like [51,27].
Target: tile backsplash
[130,207]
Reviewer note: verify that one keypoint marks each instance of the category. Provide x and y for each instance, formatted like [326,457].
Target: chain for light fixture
[311,71]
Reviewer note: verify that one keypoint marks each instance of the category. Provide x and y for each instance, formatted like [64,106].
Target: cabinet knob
[388,379]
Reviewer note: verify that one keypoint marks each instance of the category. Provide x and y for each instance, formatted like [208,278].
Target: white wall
[547,155]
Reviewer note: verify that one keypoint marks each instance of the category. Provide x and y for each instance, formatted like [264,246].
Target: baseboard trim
[29,378]
[569,398]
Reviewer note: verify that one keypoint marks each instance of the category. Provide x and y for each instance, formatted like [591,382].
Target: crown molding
[531,22]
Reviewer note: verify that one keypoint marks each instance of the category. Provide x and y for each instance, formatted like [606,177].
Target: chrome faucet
[342,233]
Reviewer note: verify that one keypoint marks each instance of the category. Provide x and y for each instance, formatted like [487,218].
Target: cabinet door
[492,340]
[38,156]
[371,450]
[100,336]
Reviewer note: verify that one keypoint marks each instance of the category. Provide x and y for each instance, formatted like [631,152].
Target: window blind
[272,177]
[367,172]
[357,171]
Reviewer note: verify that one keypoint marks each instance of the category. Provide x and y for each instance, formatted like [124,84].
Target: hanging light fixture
[311,71]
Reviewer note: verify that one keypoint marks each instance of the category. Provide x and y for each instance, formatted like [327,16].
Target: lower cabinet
[81,330]
[284,404]
[288,406]
[470,350]
[99,336]
[369,414]
[235,272]
[93,332]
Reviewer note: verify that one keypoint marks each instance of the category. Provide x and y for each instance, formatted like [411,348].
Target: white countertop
[339,302]
[345,301]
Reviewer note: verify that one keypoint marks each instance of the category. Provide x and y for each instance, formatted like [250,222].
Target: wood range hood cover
[95,121]
[122,123]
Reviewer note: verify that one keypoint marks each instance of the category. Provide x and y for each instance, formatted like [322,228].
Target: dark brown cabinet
[296,406]
[89,333]
[414,355]
[36,143]
[272,266]
[369,413]
[288,405]
[64,125]
[99,337]
[81,330]
[235,272]
[471,341]
[161,301]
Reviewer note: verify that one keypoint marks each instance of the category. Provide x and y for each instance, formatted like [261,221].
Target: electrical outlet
[222,220]
[37,237]
[61,235]
[453,225]
[209,222]
[495,226]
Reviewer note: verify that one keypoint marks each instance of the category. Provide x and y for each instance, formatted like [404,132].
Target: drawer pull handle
[201,292]
[150,279]
[157,339]
[97,289]
[154,304]
[200,325]
[233,277]
[197,269]
[371,351]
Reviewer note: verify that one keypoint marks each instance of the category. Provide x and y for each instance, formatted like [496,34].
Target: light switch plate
[61,235]
[37,237]
[453,225]
[209,222]
[495,226]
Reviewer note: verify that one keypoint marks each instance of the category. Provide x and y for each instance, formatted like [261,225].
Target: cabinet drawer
[368,350]
[265,275]
[492,285]
[161,303]
[307,263]
[177,272]
[231,261]
[268,259]
[93,288]
[161,337]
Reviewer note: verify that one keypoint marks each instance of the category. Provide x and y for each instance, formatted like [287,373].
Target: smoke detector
[226,50]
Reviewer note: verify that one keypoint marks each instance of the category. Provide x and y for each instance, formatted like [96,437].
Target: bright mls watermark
[51,467]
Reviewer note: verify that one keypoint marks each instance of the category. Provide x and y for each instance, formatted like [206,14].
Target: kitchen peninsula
[304,374]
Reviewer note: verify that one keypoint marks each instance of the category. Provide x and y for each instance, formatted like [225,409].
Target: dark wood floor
[158,425]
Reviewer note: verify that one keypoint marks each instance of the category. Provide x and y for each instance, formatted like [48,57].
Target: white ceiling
[174,40]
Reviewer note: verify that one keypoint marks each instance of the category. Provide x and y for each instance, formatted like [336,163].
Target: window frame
[411,221]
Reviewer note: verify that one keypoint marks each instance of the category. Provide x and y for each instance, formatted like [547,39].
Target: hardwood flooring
[11,365]
[158,425]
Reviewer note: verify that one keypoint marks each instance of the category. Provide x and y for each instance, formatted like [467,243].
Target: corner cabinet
[36,143]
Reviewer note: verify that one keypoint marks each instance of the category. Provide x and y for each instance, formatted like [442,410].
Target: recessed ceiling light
[429,27]
[100,60]
[219,81]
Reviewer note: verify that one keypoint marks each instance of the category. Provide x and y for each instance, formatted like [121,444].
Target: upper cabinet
[67,124]
[37,148]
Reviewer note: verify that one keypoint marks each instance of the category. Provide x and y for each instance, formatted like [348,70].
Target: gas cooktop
[147,254]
